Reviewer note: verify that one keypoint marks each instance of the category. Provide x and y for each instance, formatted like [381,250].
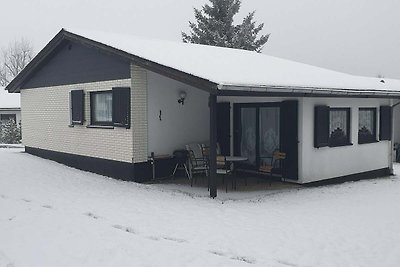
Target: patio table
[235,158]
[232,160]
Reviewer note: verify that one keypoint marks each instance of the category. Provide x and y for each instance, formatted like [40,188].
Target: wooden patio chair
[275,165]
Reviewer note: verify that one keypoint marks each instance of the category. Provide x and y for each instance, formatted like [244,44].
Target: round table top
[235,158]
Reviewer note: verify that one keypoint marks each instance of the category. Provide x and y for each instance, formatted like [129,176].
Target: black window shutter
[385,124]
[121,102]
[77,102]
[321,126]
[289,139]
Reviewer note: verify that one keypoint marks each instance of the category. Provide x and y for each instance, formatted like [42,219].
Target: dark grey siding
[73,63]
[138,172]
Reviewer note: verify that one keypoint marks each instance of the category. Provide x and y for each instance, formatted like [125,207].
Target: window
[331,126]
[339,126]
[7,117]
[77,107]
[366,125]
[101,108]
[111,108]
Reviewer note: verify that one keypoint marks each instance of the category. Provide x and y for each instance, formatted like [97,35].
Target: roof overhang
[10,109]
[190,79]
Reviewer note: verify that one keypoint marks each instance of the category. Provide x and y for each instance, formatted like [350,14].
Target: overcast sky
[355,36]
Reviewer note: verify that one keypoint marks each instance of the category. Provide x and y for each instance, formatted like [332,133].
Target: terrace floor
[245,183]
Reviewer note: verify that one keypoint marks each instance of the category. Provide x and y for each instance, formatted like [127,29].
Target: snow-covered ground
[52,215]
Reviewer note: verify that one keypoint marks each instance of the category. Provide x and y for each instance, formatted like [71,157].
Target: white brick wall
[46,116]
[139,113]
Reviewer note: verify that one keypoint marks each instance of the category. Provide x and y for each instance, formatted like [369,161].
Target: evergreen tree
[10,133]
[214,26]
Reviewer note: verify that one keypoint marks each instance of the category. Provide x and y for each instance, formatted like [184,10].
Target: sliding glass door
[248,140]
[269,140]
[257,133]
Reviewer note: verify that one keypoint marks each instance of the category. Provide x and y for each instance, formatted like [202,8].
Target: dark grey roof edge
[14,85]
[10,109]
[17,82]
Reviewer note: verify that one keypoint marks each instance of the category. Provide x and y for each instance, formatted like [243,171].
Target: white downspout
[392,153]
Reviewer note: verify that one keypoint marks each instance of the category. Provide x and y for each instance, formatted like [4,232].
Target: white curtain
[366,119]
[269,131]
[248,140]
[103,107]
[338,119]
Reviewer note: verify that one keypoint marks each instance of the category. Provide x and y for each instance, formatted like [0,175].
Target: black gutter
[297,94]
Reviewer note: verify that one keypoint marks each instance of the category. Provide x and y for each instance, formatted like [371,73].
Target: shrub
[10,133]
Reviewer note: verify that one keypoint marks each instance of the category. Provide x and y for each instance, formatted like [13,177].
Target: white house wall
[139,113]
[46,119]
[317,164]
[330,162]
[179,124]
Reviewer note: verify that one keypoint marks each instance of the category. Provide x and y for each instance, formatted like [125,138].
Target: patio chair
[224,168]
[275,165]
[197,163]
[181,158]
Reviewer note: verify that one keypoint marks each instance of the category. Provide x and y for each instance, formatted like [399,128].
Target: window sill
[348,144]
[369,142]
[75,124]
[122,125]
[100,126]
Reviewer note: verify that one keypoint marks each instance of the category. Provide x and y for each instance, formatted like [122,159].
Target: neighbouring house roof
[9,101]
[224,69]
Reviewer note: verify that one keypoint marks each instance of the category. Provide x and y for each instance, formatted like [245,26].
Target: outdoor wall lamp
[182,95]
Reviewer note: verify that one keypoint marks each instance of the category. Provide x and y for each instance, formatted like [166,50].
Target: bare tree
[13,59]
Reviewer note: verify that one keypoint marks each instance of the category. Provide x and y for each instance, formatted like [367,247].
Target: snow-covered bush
[10,133]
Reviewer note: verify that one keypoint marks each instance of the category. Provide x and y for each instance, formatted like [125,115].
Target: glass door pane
[268,133]
[248,135]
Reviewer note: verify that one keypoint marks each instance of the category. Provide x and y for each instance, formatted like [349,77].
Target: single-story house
[105,102]
[10,107]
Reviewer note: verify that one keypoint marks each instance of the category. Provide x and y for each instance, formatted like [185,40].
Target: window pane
[248,138]
[102,107]
[338,127]
[269,131]
[269,134]
[6,117]
[366,125]
[337,121]
[366,121]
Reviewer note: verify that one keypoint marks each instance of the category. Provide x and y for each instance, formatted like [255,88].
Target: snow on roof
[232,68]
[9,100]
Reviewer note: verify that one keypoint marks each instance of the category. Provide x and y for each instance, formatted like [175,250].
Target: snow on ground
[52,215]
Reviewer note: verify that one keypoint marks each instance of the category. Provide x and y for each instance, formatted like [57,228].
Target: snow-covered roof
[8,100]
[240,69]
